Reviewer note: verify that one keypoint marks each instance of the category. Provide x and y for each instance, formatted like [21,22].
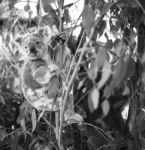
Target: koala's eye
[26,47]
[37,42]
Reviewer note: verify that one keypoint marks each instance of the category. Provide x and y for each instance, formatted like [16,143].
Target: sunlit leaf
[123,70]
[41,115]
[106,74]
[23,125]
[2,101]
[93,71]
[93,100]
[34,120]
[96,64]
[126,90]
[80,84]
[69,111]
[105,107]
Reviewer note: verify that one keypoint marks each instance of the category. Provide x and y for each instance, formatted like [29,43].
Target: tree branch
[62,111]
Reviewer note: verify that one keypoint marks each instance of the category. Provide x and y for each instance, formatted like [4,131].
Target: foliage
[100,78]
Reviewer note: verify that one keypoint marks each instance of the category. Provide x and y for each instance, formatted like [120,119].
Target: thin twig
[98,130]
[73,60]
[57,123]
[105,146]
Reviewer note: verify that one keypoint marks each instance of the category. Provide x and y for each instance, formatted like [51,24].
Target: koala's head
[34,45]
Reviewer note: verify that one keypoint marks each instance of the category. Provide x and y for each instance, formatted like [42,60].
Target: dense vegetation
[104,77]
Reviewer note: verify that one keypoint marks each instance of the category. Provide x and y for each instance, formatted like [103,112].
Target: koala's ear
[45,32]
[19,40]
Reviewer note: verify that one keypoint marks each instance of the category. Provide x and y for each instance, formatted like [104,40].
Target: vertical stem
[61,12]
[64,103]
[61,54]
[67,93]
[61,2]
[57,123]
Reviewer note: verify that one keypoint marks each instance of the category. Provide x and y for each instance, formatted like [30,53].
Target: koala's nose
[32,49]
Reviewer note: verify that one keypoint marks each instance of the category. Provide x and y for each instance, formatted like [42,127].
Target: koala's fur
[35,49]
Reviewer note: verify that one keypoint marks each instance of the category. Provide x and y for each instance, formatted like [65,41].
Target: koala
[41,81]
